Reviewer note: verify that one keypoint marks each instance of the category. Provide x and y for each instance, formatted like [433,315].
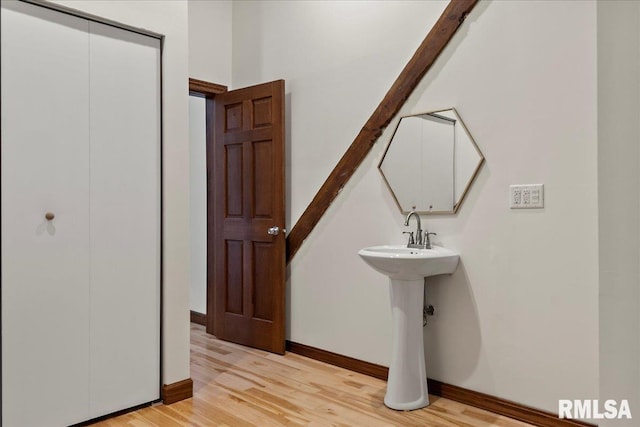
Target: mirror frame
[457,203]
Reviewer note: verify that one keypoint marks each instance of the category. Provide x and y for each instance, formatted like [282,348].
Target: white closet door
[45,265]
[125,218]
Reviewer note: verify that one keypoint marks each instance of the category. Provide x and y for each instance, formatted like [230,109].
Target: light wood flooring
[238,386]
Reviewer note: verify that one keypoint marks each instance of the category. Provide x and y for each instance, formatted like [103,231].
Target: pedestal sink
[406,269]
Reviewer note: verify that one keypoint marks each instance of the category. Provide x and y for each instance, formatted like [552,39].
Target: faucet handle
[411,239]
[427,239]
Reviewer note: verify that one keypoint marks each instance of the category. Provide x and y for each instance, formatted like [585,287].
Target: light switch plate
[527,196]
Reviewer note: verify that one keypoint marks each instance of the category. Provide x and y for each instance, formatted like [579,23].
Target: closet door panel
[125,219]
[45,264]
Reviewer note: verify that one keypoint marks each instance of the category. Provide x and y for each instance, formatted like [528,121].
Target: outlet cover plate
[526,196]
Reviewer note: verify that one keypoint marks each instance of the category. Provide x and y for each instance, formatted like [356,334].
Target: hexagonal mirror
[430,162]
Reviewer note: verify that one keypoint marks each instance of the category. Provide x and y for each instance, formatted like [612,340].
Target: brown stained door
[249,240]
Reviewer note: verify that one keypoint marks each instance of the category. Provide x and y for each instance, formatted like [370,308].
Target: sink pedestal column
[407,383]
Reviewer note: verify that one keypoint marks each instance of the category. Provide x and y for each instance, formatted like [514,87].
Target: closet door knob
[49,216]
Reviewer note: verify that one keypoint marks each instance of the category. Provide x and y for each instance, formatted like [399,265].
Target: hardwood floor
[238,386]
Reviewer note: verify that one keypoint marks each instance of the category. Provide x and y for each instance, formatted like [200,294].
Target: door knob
[49,216]
[275,230]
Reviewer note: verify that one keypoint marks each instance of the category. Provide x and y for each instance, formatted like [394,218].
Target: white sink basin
[407,268]
[402,263]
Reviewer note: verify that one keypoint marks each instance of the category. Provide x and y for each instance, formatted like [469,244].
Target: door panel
[248,199]
[262,179]
[45,264]
[234,173]
[233,275]
[80,293]
[125,219]
[263,295]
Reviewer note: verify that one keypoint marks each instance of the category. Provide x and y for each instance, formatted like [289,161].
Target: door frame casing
[208,91]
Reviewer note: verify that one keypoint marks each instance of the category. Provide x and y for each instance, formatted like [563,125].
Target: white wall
[210,25]
[210,41]
[619,202]
[198,205]
[320,49]
[519,319]
[168,18]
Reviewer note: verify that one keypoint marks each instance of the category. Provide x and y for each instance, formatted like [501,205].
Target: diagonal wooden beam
[421,61]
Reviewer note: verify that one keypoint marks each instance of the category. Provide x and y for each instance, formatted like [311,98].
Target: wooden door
[248,205]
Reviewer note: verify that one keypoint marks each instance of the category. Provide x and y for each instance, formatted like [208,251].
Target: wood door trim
[208,91]
[205,89]
[484,401]
[421,61]
[175,392]
[198,318]
[356,365]
[502,406]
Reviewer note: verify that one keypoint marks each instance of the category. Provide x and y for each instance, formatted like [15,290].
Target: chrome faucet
[422,241]
[418,241]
